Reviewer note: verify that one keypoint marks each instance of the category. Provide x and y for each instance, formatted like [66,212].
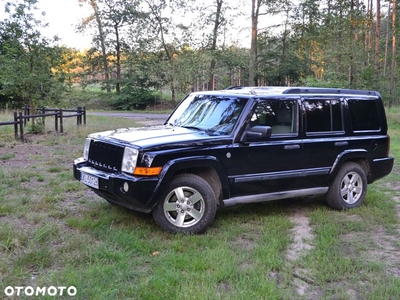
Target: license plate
[90,180]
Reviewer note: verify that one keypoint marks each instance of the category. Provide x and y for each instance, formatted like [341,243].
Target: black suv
[242,145]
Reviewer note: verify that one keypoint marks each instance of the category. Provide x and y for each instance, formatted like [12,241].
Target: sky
[63,16]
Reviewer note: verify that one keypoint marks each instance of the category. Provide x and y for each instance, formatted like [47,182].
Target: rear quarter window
[364,115]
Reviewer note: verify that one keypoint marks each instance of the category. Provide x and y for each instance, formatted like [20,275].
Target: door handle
[291,147]
[341,144]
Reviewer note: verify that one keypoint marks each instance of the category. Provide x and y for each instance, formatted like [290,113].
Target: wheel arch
[208,174]
[358,156]
[207,167]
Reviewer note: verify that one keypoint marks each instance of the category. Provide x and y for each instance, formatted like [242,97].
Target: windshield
[214,114]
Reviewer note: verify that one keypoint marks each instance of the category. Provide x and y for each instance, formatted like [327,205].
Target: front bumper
[128,191]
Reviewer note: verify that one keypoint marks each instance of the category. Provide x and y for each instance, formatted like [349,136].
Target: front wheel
[349,187]
[188,205]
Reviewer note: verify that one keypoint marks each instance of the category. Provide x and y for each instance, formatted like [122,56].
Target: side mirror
[257,133]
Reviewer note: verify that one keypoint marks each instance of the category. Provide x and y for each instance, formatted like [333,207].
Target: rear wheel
[188,205]
[348,188]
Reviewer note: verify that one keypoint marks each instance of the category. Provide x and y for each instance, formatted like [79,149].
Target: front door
[272,165]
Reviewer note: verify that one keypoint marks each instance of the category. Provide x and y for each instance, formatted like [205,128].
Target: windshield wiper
[207,131]
[193,127]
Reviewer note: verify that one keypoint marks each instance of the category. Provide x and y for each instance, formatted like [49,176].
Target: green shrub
[134,97]
[37,127]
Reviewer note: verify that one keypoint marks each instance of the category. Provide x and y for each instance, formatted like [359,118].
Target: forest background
[149,53]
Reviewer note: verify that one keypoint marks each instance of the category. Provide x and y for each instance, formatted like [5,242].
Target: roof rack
[312,90]
[256,90]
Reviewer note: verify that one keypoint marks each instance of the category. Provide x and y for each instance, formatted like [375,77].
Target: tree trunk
[386,43]
[217,22]
[102,44]
[370,26]
[30,99]
[354,40]
[118,64]
[255,6]
[169,53]
[377,43]
[339,65]
[282,81]
[392,71]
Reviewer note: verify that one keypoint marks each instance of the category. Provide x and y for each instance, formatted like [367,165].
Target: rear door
[324,136]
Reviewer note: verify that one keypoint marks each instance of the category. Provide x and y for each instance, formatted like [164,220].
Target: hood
[164,136]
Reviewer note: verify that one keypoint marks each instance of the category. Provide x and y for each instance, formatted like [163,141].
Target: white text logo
[40,291]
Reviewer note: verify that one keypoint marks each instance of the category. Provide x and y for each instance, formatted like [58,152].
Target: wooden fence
[21,118]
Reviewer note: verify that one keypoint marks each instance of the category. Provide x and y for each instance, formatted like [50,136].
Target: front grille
[105,157]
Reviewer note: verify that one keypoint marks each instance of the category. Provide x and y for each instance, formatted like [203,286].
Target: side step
[274,196]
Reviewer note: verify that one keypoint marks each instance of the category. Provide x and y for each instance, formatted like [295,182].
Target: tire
[349,187]
[188,205]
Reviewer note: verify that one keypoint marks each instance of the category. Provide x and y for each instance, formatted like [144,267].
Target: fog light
[126,187]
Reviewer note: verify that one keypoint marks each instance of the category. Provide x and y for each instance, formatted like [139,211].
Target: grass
[55,232]
[7,156]
[95,98]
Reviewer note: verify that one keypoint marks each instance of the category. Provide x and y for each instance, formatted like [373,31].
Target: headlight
[129,160]
[86,149]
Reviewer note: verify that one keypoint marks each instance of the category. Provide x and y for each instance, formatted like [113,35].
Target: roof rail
[305,90]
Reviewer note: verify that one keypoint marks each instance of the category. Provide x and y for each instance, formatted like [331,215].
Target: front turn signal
[144,171]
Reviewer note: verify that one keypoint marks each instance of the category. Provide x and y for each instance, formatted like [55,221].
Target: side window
[364,115]
[323,115]
[280,115]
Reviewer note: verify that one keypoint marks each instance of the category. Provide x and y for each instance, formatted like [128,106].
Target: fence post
[16,124]
[78,115]
[21,126]
[43,110]
[56,122]
[84,115]
[26,113]
[61,121]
